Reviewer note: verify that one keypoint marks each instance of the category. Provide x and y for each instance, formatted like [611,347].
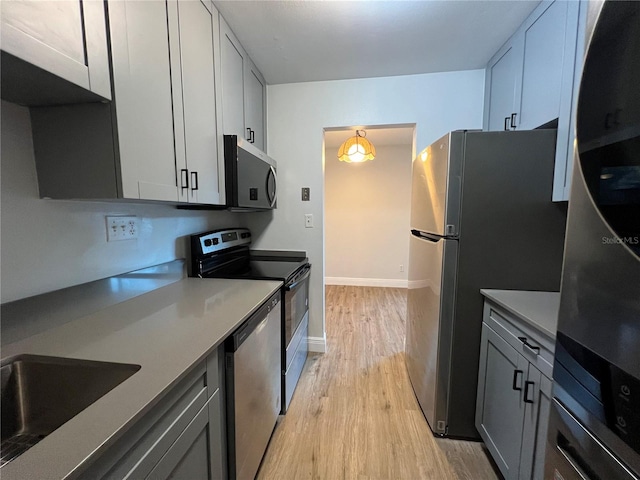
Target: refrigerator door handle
[427,236]
[431,237]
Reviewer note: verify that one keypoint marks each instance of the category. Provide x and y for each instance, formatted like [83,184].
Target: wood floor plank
[354,414]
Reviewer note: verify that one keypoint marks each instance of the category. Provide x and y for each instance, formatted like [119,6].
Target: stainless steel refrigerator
[481,217]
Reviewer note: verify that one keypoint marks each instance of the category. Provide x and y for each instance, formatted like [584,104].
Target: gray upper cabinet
[243,91]
[232,56]
[501,85]
[195,25]
[158,139]
[143,100]
[546,41]
[530,81]
[255,88]
[54,52]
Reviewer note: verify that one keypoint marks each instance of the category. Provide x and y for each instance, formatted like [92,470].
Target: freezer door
[430,300]
[435,188]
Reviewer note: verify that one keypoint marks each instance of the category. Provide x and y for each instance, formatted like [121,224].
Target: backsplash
[51,244]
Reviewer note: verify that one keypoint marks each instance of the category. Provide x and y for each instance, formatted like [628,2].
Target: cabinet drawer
[140,449]
[536,348]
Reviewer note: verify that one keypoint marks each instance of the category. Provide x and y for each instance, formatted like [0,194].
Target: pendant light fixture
[357,149]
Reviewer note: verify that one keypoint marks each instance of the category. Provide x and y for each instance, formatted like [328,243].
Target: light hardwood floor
[354,414]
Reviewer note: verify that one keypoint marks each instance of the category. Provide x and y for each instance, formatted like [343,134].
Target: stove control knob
[207,242]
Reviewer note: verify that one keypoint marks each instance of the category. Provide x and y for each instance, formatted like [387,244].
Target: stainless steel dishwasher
[253,381]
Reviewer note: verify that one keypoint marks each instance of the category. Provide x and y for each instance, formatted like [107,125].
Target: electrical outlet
[306,194]
[121,228]
[308,220]
[401,268]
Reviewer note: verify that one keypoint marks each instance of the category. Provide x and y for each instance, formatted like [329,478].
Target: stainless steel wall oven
[594,428]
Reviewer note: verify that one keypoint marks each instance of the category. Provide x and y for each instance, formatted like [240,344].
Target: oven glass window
[297,304]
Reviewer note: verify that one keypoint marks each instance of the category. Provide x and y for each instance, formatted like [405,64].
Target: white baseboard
[317,344]
[367,282]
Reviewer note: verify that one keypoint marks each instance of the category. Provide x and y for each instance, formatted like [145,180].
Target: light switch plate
[308,220]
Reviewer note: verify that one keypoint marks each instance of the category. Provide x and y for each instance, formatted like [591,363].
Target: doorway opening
[366,208]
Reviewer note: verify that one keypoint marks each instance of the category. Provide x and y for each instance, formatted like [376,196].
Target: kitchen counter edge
[538,309]
[168,332]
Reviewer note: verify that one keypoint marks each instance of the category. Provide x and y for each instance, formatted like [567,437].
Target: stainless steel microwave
[250,176]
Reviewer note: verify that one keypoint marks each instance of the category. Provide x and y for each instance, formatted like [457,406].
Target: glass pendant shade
[357,149]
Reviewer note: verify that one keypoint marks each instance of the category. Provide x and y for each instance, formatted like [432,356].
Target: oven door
[296,303]
[575,453]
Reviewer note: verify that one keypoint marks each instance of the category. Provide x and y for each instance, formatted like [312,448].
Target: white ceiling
[377,136]
[308,40]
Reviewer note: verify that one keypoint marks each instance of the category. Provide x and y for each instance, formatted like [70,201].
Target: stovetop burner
[226,254]
[260,270]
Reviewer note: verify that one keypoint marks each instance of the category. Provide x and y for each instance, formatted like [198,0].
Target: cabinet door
[195,93]
[502,76]
[499,407]
[65,38]
[255,105]
[217,437]
[142,86]
[537,399]
[189,457]
[549,39]
[232,58]
[565,147]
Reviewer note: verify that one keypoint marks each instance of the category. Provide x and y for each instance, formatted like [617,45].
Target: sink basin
[41,393]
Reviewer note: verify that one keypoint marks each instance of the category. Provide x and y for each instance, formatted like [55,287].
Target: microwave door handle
[272,198]
[288,288]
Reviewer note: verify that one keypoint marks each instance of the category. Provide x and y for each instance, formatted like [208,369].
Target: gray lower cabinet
[157,140]
[54,52]
[514,392]
[193,454]
[183,437]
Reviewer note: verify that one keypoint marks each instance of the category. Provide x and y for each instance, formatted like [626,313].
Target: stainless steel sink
[41,393]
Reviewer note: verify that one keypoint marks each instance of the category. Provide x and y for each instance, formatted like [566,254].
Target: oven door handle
[293,285]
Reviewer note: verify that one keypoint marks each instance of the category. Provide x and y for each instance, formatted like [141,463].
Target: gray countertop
[168,332]
[539,309]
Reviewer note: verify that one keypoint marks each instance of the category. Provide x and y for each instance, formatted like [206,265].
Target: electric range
[227,254]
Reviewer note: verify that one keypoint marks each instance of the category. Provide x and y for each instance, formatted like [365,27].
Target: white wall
[50,244]
[297,115]
[366,218]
